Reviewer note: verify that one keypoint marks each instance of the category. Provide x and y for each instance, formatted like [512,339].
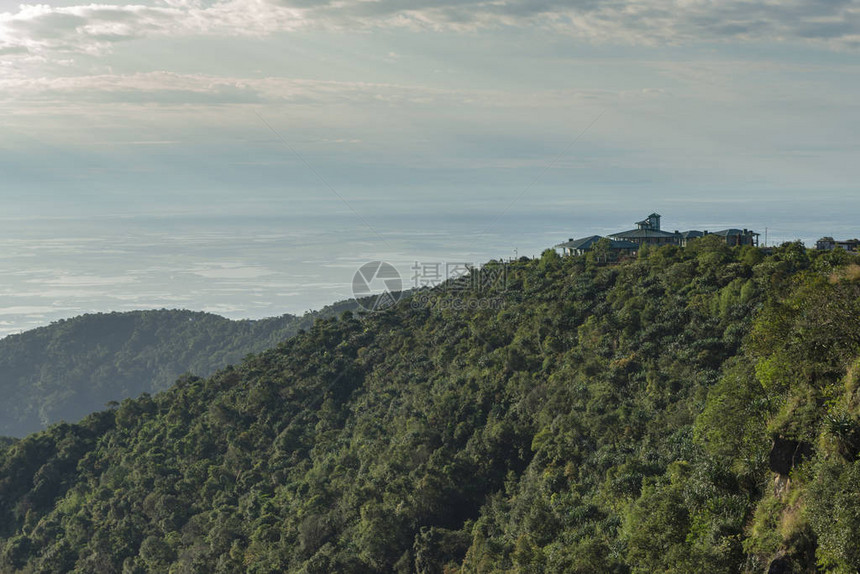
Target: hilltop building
[829,244]
[738,237]
[582,246]
[648,232]
[684,237]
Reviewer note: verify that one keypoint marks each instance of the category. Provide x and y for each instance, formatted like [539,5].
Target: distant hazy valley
[73,367]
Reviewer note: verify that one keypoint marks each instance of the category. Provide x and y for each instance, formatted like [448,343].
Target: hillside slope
[584,418]
[73,367]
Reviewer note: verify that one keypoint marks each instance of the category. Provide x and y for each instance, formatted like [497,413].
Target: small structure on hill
[684,237]
[738,237]
[586,244]
[829,244]
[648,232]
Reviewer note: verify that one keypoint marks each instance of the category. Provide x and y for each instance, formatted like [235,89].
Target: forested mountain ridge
[585,418]
[75,366]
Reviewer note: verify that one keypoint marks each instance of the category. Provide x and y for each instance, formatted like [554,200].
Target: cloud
[170,88]
[624,21]
[13,50]
[226,271]
[94,28]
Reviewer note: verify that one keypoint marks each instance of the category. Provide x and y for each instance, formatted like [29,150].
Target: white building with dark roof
[829,244]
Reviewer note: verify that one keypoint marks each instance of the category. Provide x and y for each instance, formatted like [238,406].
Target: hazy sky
[479,126]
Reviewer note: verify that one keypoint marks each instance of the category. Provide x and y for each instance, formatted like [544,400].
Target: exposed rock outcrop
[787,453]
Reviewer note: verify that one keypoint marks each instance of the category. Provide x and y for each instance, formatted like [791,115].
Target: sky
[245,157]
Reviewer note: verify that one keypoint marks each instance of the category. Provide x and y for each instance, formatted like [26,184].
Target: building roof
[641,234]
[733,231]
[586,243]
[691,234]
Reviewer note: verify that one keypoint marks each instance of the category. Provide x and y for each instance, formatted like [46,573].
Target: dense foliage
[76,366]
[579,417]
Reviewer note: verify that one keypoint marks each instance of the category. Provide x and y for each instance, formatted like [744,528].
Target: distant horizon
[256,267]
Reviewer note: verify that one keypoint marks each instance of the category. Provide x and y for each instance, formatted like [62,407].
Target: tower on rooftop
[651,222]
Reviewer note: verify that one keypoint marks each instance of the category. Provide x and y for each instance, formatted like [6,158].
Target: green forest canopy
[625,417]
